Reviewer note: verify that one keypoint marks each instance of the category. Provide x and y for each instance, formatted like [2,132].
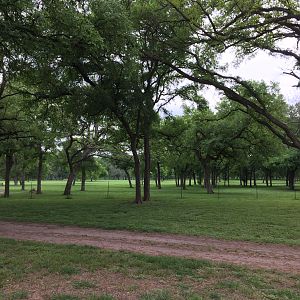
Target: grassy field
[57,272]
[233,213]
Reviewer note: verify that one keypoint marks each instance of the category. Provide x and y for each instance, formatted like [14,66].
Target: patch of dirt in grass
[254,255]
[43,286]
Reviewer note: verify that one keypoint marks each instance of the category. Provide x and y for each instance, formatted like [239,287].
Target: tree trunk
[267,178]
[69,183]
[8,166]
[184,181]
[194,178]
[147,169]
[158,176]
[292,179]
[228,175]
[270,177]
[137,174]
[83,179]
[23,182]
[40,170]
[207,175]
[128,178]
[254,177]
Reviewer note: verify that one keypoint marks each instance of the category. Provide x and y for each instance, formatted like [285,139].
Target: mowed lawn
[266,215]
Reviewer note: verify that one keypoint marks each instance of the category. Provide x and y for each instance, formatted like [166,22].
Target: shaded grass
[20,259]
[234,213]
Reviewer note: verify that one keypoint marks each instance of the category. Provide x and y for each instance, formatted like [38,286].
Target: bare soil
[254,255]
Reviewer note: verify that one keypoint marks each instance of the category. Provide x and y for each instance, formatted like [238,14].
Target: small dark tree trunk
[250,178]
[228,175]
[23,182]
[147,162]
[190,180]
[182,181]
[270,177]
[266,178]
[128,178]
[254,177]
[158,176]
[194,178]
[8,166]
[40,170]
[292,179]
[137,174]
[83,179]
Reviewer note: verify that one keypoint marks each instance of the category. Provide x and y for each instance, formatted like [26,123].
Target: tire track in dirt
[254,255]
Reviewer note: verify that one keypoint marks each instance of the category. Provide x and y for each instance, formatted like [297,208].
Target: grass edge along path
[184,278]
[235,214]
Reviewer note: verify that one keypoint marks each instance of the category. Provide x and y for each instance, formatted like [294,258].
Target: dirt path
[266,256]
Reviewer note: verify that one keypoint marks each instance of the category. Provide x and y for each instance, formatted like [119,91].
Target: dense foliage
[84,88]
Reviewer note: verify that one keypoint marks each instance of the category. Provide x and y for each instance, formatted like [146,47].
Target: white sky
[260,67]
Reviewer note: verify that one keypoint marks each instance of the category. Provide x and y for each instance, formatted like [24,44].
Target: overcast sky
[260,67]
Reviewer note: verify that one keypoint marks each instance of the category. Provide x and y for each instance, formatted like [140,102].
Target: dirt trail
[267,256]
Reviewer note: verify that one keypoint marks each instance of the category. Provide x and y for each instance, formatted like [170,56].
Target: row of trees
[89,78]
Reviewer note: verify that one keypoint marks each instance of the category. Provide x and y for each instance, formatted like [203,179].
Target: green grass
[195,279]
[234,213]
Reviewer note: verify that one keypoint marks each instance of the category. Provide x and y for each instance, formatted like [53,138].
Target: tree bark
[40,170]
[158,176]
[23,182]
[207,177]
[83,179]
[137,174]
[69,183]
[228,175]
[128,178]
[147,162]
[292,179]
[266,178]
[8,166]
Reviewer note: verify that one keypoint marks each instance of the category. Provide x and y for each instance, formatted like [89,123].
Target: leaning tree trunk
[83,179]
[40,171]
[147,162]
[68,188]
[128,178]
[8,166]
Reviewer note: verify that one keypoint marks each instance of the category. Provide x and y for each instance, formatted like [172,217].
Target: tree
[203,30]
